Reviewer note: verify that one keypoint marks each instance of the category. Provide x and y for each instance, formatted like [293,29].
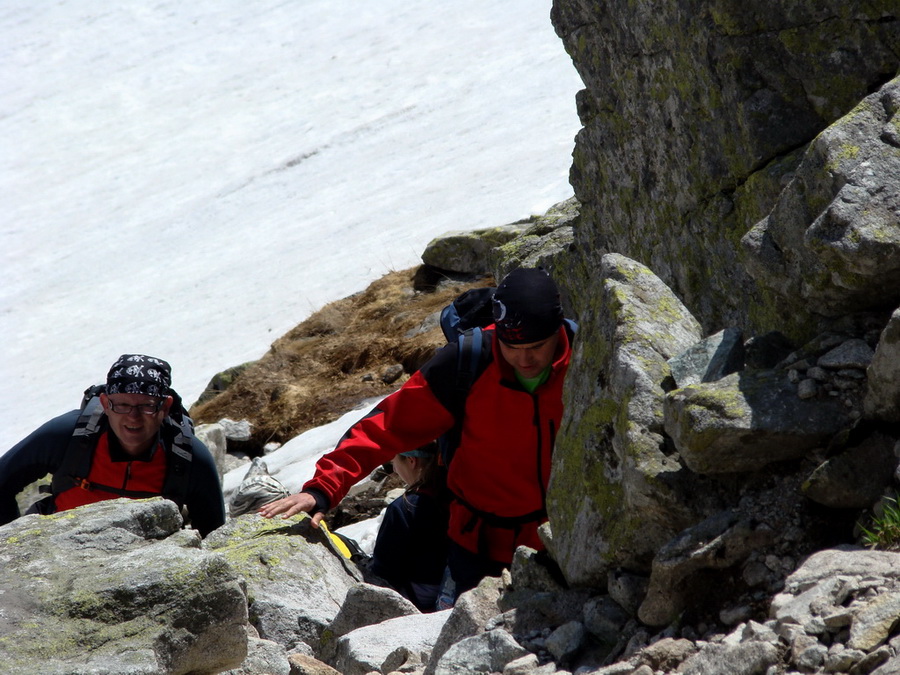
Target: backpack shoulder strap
[472,358]
[473,355]
[79,454]
[178,436]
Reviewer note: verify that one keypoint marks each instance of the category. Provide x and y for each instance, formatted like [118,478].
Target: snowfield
[191,180]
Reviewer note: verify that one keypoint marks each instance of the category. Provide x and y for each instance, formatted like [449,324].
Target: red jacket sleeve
[407,419]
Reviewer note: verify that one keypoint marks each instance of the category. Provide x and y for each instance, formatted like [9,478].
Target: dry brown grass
[338,357]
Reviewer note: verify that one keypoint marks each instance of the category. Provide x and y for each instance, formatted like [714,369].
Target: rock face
[694,113]
[831,241]
[745,159]
[119,587]
[116,587]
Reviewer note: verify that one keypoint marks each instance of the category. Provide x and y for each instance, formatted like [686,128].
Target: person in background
[411,546]
[510,417]
[132,438]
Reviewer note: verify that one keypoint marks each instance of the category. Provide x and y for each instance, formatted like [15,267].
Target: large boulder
[296,584]
[364,605]
[544,243]
[613,475]
[468,251]
[748,420]
[116,587]
[400,643]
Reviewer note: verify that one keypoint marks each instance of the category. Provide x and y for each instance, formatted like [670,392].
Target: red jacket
[501,467]
[138,476]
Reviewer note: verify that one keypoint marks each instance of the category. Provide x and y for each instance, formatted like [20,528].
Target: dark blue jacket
[43,450]
[411,547]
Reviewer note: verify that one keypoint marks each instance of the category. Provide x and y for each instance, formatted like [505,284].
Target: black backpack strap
[79,454]
[178,436]
[472,357]
[469,358]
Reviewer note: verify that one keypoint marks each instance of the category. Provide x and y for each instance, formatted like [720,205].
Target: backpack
[471,309]
[177,431]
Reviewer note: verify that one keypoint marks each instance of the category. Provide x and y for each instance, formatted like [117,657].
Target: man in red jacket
[512,412]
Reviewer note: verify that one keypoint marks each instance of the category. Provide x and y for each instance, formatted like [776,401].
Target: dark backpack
[177,432]
[471,309]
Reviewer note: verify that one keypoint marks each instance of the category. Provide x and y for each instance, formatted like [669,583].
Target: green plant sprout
[884,531]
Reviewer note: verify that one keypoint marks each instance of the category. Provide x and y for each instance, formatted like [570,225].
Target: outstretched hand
[291,506]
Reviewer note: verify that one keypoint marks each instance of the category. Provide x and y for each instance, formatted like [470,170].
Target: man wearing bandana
[131,439]
[499,472]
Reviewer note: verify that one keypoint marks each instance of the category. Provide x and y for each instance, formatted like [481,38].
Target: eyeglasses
[143,408]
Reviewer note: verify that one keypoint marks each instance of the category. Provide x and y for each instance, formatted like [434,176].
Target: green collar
[532,383]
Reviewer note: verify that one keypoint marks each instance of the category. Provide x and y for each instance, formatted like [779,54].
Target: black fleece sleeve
[205,501]
[32,458]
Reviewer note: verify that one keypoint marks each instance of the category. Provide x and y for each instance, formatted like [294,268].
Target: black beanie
[139,374]
[527,306]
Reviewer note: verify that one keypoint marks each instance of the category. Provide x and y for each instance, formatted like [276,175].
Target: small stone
[271,447]
[566,640]
[807,389]
[810,657]
[872,660]
[773,563]
[838,619]
[853,353]
[521,666]
[840,659]
[731,616]
[845,384]
[236,430]
[392,373]
[755,574]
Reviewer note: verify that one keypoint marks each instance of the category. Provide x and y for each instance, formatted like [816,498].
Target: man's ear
[104,400]
[167,405]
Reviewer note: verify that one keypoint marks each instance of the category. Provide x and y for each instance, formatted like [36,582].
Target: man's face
[530,359]
[136,430]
